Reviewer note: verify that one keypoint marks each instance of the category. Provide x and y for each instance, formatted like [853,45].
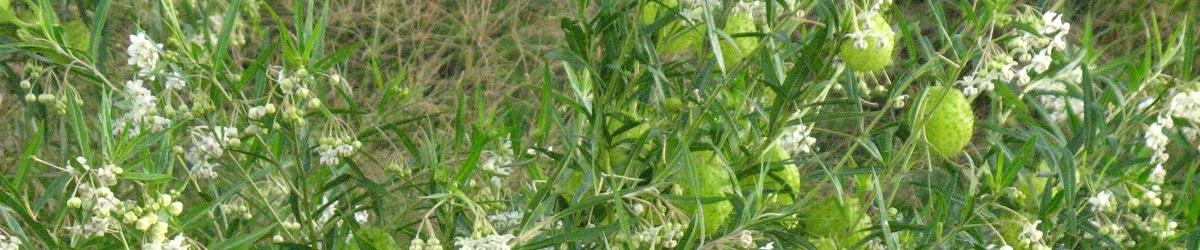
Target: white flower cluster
[1028,53]
[143,52]
[755,9]
[208,145]
[333,148]
[1055,99]
[97,197]
[506,219]
[142,110]
[236,207]
[998,67]
[431,244]
[177,243]
[490,242]
[1032,237]
[1186,105]
[666,235]
[1033,52]
[797,139]
[866,32]
[8,242]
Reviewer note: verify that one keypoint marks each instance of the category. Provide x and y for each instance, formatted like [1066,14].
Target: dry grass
[447,49]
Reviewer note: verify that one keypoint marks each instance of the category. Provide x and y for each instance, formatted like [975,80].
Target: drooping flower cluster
[1156,141]
[208,144]
[236,207]
[506,219]
[1000,67]
[95,195]
[1186,105]
[865,32]
[797,139]
[332,148]
[489,242]
[216,23]
[105,212]
[432,244]
[175,81]
[497,164]
[259,112]
[666,235]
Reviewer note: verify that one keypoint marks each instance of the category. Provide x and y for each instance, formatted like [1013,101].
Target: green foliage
[630,124]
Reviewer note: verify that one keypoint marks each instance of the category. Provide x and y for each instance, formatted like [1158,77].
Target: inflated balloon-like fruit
[712,183]
[682,39]
[843,222]
[654,10]
[675,104]
[616,128]
[825,243]
[374,237]
[676,37]
[948,120]
[879,41]
[568,183]
[738,23]
[776,193]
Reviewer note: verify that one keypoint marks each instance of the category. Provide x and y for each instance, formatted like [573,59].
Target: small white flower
[9,242]
[361,216]
[1102,201]
[1158,174]
[175,81]
[1041,62]
[1030,233]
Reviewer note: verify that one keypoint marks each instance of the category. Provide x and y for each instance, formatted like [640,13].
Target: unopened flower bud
[74,202]
[45,98]
[314,103]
